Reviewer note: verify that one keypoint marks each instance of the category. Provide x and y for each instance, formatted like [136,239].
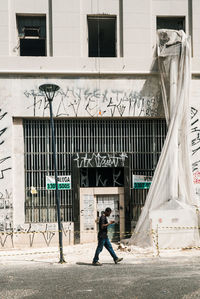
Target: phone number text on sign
[64,182]
[61,186]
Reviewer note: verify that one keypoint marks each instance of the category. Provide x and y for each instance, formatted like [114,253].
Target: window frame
[116,36]
[171,17]
[21,37]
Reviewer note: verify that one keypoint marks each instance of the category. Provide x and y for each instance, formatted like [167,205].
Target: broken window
[32,35]
[102,36]
[175,23]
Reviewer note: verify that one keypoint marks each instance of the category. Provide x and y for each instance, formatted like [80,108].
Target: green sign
[142,185]
[64,182]
[141,181]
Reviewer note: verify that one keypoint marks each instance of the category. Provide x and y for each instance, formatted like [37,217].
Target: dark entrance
[102,177]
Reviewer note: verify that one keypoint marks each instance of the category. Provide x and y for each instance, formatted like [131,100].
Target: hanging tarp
[173,175]
[175,224]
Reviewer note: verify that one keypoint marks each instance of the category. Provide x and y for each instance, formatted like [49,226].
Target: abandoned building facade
[108,113]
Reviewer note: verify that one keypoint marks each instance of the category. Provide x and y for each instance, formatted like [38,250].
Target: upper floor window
[32,35]
[101,36]
[175,23]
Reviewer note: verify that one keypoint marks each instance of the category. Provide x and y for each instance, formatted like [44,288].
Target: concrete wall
[67,34]
[37,235]
[84,97]
[78,97]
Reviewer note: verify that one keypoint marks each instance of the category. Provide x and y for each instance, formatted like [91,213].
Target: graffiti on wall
[38,100]
[6,208]
[100,160]
[41,233]
[195,130]
[3,159]
[115,178]
[6,216]
[195,142]
[3,166]
[94,102]
[106,169]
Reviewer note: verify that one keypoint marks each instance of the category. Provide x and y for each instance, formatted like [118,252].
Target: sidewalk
[83,253]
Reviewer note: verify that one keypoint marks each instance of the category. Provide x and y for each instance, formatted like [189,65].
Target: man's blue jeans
[104,242]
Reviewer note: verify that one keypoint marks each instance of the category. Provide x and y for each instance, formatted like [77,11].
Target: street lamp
[49,90]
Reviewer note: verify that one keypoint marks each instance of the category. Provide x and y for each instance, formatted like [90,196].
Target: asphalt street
[152,277]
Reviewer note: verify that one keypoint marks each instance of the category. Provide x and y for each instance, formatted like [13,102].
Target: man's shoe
[118,260]
[96,264]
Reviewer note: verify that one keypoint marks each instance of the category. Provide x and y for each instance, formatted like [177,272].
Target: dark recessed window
[102,36]
[102,177]
[175,23]
[32,35]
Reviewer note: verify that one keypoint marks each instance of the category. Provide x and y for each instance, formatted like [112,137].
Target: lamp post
[49,90]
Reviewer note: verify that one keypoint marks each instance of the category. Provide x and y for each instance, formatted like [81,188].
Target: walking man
[103,239]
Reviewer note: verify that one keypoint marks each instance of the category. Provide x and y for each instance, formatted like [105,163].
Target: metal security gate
[140,139]
[40,204]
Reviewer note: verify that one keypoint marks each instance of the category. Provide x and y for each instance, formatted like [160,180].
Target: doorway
[95,200]
[111,201]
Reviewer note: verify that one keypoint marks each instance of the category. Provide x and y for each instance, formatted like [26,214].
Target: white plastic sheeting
[173,175]
[175,224]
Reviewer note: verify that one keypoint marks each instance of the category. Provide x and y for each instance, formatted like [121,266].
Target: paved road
[151,278]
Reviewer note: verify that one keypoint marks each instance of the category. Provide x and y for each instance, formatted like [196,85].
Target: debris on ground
[122,247]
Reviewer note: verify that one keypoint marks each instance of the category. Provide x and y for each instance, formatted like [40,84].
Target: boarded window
[102,36]
[32,35]
[175,23]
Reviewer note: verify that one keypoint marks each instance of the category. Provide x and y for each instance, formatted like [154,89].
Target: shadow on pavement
[84,264]
[90,264]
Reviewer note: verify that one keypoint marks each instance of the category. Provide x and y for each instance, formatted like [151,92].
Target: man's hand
[111,222]
[104,225]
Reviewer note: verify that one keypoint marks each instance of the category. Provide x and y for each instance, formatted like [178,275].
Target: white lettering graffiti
[100,160]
